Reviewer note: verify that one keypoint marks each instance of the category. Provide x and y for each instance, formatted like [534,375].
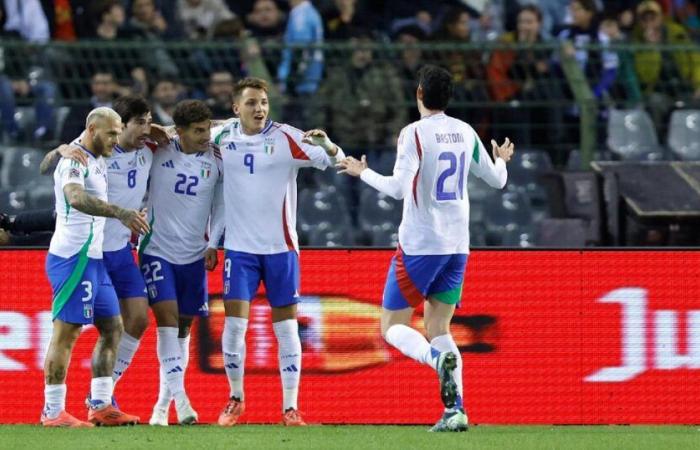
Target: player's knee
[135,326]
[435,328]
[110,329]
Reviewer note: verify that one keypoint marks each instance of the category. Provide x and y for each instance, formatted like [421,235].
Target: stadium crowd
[362,95]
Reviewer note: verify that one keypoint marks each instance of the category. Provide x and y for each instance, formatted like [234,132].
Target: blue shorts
[185,283]
[124,273]
[82,290]
[412,279]
[279,272]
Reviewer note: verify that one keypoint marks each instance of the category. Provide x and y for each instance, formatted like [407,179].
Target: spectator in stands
[109,17]
[599,67]
[26,18]
[360,101]
[466,66]
[104,90]
[266,20]
[410,62]
[147,22]
[301,70]
[665,77]
[164,98]
[220,93]
[24,77]
[344,20]
[200,17]
[522,76]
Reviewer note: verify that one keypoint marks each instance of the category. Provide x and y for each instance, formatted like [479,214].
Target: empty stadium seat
[632,136]
[684,134]
[329,178]
[378,211]
[339,237]
[42,197]
[20,167]
[511,211]
[385,238]
[13,201]
[523,237]
[321,209]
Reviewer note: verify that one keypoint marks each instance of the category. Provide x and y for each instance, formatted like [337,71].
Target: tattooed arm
[79,199]
[64,150]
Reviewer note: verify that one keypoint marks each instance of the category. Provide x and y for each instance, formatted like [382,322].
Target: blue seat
[684,134]
[632,136]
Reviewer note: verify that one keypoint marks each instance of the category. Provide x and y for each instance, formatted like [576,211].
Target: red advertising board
[547,337]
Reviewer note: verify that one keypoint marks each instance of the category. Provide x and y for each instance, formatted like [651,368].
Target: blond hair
[102,113]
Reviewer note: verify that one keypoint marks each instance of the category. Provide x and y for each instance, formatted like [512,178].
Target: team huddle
[180,191]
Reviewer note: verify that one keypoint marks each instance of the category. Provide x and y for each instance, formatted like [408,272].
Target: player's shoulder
[408,130]
[275,129]
[215,151]
[226,130]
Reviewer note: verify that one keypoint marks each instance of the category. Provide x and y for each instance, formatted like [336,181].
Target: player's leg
[133,304]
[443,295]
[281,278]
[242,273]
[401,296]
[160,279]
[109,325]
[71,280]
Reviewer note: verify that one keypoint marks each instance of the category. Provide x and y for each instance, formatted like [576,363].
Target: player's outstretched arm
[64,150]
[395,185]
[351,166]
[77,198]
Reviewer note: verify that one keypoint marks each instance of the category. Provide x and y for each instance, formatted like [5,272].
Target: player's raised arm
[495,174]
[67,151]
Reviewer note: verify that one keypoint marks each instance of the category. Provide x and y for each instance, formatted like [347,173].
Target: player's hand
[73,153]
[320,138]
[351,166]
[505,151]
[159,134]
[136,221]
[211,259]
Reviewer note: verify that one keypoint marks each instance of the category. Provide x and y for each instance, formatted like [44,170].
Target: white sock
[185,351]
[171,363]
[54,400]
[125,353]
[412,344]
[289,344]
[164,395]
[446,343]
[101,389]
[233,347]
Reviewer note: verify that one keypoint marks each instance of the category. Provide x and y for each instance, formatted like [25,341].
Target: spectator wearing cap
[666,78]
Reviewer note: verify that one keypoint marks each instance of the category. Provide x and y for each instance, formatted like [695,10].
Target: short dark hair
[130,106]
[190,111]
[534,9]
[249,82]
[436,84]
[588,5]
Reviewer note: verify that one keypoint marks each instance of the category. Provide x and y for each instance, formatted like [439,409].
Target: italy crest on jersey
[206,170]
[269,145]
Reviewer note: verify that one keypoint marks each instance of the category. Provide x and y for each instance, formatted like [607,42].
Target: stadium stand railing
[559,105]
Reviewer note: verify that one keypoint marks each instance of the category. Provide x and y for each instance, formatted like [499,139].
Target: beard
[101,147]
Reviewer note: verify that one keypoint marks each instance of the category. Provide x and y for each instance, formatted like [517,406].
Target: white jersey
[74,228]
[127,175]
[435,155]
[185,189]
[261,185]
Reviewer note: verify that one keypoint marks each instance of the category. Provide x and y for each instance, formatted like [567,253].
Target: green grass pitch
[352,437]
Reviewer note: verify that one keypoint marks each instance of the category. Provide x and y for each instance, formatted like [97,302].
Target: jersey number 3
[446,189]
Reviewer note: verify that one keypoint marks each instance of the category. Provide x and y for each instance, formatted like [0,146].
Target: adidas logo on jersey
[292,368]
[175,370]
[114,166]
[231,366]
[231,146]
[169,164]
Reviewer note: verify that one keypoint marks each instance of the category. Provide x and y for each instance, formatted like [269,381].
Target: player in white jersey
[127,178]
[83,293]
[261,161]
[185,192]
[435,154]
